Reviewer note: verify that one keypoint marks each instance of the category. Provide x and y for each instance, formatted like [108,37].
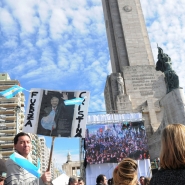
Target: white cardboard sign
[47,114]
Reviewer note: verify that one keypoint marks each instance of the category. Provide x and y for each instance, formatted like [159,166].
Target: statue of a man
[120,84]
[164,65]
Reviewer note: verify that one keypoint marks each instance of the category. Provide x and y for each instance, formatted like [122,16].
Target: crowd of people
[115,142]
[123,175]
[172,163]
[171,172]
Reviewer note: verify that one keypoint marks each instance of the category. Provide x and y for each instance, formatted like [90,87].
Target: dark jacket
[169,177]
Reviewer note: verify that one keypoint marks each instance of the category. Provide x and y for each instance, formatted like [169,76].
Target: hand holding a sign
[46,177]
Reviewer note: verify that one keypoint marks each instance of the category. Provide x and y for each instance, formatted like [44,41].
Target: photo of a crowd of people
[110,143]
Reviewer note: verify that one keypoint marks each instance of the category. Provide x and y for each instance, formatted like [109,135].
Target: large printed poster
[47,114]
[110,143]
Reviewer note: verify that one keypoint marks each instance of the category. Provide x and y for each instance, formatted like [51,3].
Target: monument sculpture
[172,103]
[150,89]
[164,65]
[132,57]
[120,84]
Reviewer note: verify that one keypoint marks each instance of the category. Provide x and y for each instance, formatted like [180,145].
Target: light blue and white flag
[75,101]
[27,165]
[11,92]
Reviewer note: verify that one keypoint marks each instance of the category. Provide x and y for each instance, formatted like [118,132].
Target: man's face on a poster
[54,102]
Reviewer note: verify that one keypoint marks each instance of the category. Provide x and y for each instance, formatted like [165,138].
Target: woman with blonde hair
[147,181]
[172,157]
[125,173]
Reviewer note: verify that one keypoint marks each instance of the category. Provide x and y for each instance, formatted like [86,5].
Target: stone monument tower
[134,85]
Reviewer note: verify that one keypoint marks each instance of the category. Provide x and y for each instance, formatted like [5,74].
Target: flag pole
[51,152]
[51,131]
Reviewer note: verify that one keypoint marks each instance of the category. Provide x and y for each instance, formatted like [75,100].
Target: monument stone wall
[173,105]
[131,57]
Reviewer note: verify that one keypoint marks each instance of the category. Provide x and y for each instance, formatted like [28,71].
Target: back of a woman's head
[173,147]
[126,172]
[147,181]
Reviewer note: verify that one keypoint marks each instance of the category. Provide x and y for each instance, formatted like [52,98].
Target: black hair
[80,179]
[54,97]
[100,178]
[72,179]
[16,138]
[110,181]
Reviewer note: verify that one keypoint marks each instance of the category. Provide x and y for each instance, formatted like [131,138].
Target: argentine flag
[9,93]
[75,101]
[27,165]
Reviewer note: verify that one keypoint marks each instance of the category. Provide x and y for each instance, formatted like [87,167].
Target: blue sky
[62,45]
[63,146]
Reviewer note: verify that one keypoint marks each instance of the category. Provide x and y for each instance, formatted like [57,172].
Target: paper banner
[48,115]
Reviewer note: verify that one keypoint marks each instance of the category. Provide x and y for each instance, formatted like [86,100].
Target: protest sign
[57,113]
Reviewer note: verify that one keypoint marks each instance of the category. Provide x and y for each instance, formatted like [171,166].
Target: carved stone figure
[120,84]
[164,65]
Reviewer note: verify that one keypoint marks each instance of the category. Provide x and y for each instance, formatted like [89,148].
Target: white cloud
[97,104]
[24,12]
[10,43]
[81,20]
[42,43]
[165,24]
[43,31]
[58,23]
[7,24]
[20,67]
[109,67]
[44,12]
